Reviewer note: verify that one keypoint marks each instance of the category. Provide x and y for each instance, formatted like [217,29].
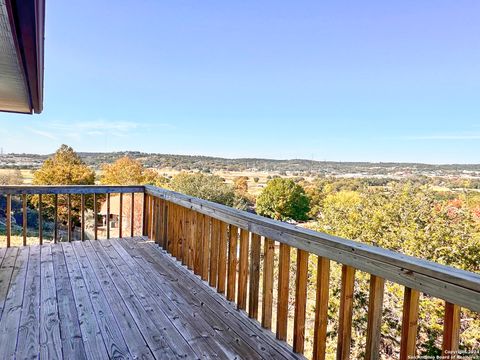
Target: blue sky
[329,80]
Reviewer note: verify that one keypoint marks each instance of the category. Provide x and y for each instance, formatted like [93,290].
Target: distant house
[114,217]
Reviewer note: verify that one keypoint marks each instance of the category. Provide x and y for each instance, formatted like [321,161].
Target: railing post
[8,214]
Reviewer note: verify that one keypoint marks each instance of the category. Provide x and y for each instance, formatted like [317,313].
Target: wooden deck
[118,298]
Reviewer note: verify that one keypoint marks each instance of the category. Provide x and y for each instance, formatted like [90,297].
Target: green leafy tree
[65,167]
[128,171]
[208,187]
[283,199]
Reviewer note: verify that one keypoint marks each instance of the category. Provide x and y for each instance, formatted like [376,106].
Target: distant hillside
[207,163]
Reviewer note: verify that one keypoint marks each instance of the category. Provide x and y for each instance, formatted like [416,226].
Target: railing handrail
[454,285]
[69,189]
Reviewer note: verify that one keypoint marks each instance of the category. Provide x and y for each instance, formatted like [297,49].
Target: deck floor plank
[118,298]
[202,326]
[9,322]
[112,279]
[50,342]
[203,297]
[70,333]
[29,330]
[117,326]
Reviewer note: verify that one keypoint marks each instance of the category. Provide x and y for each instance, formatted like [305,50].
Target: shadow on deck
[118,298]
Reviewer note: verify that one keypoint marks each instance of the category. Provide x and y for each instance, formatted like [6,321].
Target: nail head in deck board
[119,333]
[375,306]
[409,323]
[300,301]
[50,342]
[283,291]
[232,263]
[346,312]
[243,270]
[321,308]
[267,298]
[451,329]
[254,285]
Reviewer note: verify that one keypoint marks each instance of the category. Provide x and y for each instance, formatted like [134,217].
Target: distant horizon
[252,158]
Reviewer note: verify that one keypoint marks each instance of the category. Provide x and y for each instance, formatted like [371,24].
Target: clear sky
[329,80]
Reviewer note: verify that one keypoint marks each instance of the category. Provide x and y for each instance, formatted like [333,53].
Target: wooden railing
[53,193]
[224,247]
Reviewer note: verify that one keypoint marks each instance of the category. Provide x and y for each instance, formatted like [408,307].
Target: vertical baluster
[451,329]
[283,291]
[222,258]
[172,210]
[95,225]
[153,218]
[409,323]
[254,286]
[55,218]
[165,224]
[24,219]
[69,206]
[243,270]
[267,299]
[182,236]
[8,214]
[150,217]
[192,231]
[375,306]
[144,215]
[300,301]
[232,263]
[214,252]
[346,312]
[120,217]
[206,246]
[199,227]
[40,219]
[82,210]
[132,215]
[108,215]
[159,221]
[321,309]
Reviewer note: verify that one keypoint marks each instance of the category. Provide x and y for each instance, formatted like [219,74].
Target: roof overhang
[22,27]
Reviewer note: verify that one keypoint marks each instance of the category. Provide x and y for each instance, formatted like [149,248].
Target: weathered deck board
[118,298]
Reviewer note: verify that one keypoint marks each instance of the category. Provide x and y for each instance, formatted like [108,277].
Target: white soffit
[13,88]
